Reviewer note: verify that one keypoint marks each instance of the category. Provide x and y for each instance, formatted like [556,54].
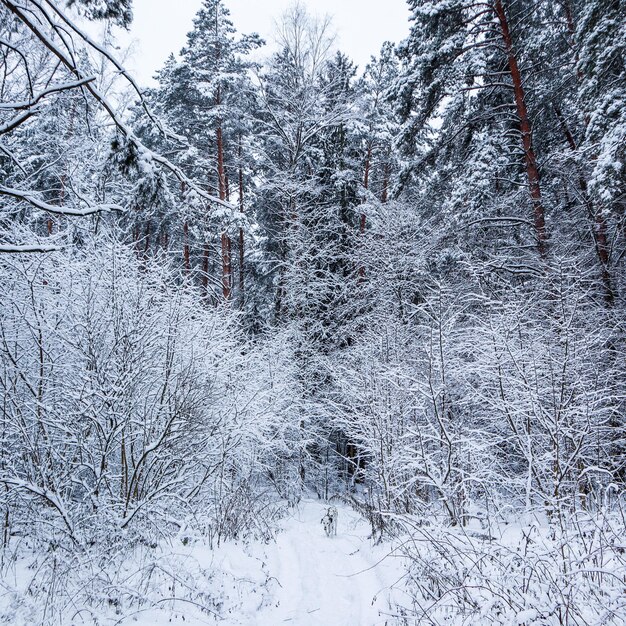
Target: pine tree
[462,73]
[204,98]
[215,60]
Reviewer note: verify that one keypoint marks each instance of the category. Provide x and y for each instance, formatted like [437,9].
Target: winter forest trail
[330,581]
[301,578]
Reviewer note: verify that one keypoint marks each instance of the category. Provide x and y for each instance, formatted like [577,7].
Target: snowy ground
[307,579]
[303,578]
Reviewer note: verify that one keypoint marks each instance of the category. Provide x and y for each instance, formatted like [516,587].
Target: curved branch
[29,197]
[122,70]
[17,249]
[26,104]
[21,13]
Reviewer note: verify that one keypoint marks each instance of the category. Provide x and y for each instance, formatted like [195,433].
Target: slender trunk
[124,463]
[366,180]
[222,183]
[146,245]
[186,251]
[241,233]
[205,270]
[242,280]
[532,169]
[136,231]
[569,16]
[226,243]
[368,165]
[602,249]
[366,185]
[385,192]
[226,266]
[6,530]
[221,177]
[186,246]
[280,294]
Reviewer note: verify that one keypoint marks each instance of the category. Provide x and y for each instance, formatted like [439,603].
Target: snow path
[335,581]
[303,578]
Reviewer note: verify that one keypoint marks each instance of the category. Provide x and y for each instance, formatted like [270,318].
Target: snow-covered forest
[276,282]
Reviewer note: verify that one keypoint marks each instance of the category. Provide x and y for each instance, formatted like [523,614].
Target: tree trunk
[366,181]
[226,243]
[186,250]
[205,270]
[226,266]
[385,192]
[241,233]
[146,245]
[532,170]
[363,217]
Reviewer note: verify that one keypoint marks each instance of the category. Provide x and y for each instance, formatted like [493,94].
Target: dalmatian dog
[329,522]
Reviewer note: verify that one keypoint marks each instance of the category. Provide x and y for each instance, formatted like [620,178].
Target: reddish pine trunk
[242,244]
[572,31]
[241,234]
[226,243]
[226,266]
[205,269]
[532,170]
[385,192]
[242,279]
[222,188]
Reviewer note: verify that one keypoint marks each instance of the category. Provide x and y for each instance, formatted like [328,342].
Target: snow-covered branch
[46,92]
[32,199]
[26,14]
[32,248]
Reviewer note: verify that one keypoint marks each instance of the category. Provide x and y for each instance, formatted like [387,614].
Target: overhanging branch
[32,199]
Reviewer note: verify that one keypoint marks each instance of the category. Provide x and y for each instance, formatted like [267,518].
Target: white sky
[161,26]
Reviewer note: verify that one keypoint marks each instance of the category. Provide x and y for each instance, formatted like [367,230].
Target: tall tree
[214,58]
[463,62]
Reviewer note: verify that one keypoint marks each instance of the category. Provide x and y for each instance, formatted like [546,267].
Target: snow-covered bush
[527,573]
[131,412]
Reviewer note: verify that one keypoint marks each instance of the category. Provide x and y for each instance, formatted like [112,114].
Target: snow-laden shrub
[530,573]
[130,411]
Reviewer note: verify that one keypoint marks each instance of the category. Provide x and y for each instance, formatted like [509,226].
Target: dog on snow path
[329,522]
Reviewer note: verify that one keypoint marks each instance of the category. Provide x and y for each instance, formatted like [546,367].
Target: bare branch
[46,92]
